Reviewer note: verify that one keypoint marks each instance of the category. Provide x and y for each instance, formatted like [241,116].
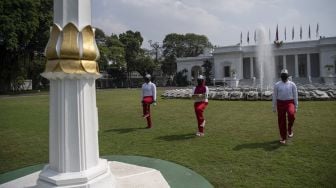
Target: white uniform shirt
[206,95]
[149,89]
[285,91]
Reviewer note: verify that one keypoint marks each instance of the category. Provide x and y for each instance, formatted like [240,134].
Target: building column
[73,116]
[188,73]
[284,62]
[251,67]
[296,66]
[308,66]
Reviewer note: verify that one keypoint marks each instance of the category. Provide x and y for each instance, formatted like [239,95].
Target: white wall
[233,60]
[327,57]
[188,63]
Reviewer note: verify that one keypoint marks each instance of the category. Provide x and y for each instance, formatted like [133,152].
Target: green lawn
[240,148]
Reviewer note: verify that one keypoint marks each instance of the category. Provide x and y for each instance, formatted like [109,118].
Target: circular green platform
[176,175]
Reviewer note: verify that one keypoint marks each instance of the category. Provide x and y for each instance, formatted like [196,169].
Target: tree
[104,58]
[207,70]
[156,49]
[117,49]
[100,36]
[145,65]
[178,45]
[173,45]
[19,20]
[132,42]
[112,56]
[24,31]
[37,44]
[195,44]
[111,50]
[169,66]
[172,49]
[189,45]
[41,36]
[181,78]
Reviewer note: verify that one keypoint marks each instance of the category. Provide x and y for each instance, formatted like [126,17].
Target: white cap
[148,76]
[200,77]
[285,71]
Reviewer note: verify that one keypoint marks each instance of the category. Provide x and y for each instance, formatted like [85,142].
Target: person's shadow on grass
[177,137]
[267,146]
[124,130]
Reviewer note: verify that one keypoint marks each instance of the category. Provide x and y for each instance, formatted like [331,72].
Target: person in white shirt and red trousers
[200,95]
[148,97]
[285,102]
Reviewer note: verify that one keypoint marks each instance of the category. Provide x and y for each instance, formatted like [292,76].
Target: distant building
[313,60]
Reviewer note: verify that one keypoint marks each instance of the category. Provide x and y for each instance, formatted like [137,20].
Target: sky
[222,21]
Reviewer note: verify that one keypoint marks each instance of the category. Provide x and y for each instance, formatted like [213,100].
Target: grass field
[240,148]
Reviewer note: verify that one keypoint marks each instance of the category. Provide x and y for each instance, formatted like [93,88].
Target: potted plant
[329,68]
[278,43]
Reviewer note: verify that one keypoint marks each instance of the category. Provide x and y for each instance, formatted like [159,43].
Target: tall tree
[145,65]
[100,36]
[173,45]
[38,43]
[169,66]
[132,43]
[117,56]
[156,49]
[24,28]
[111,52]
[207,70]
[195,44]
[117,51]
[178,45]
[172,48]
[182,78]
[112,56]
[188,45]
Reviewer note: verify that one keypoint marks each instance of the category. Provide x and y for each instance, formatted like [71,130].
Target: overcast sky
[221,21]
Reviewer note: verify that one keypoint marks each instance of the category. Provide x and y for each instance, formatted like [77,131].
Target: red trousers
[199,109]
[146,102]
[283,108]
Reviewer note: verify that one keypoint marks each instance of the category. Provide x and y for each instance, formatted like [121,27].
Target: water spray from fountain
[265,60]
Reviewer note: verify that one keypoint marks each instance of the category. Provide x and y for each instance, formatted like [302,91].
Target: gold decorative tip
[89,49]
[51,52]
[69,46]
[77,53]
[90,66]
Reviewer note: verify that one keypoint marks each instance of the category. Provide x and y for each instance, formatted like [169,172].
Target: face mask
[284,77]
[200,82]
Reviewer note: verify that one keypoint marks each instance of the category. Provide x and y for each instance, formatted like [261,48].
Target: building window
[246,68]
[227,71]
[255,68]
[314,65]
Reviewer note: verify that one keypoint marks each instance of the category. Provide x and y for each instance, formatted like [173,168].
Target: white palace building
[306,61]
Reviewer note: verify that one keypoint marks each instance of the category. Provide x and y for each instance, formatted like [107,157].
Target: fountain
[265,64]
